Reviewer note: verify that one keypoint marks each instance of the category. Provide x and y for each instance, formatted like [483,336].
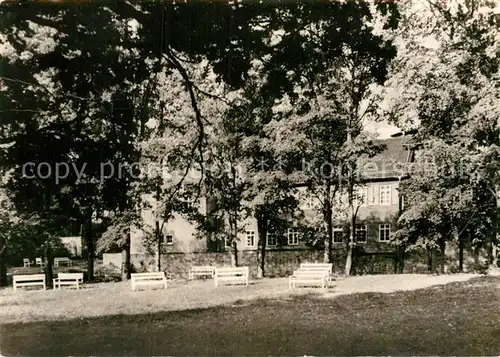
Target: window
[361,234]
[385,195]
[250,238]
[168,239]
[361,196]
[338,235]
[271,239]
[384,230]
[293,236]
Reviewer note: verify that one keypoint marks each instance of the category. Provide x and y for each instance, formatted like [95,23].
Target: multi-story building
[379,205]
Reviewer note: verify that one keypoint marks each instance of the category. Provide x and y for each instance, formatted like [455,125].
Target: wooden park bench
[29,280]
[59,260]
[236,275]
[68,279]
[148,279]
[201,271]
[309,278]
[318,267]
[39,261]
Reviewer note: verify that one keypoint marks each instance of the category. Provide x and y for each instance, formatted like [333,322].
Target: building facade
[379,206]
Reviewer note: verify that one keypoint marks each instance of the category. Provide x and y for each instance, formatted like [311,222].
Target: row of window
[292,235]
[360,198]
[384,197]
[360,235]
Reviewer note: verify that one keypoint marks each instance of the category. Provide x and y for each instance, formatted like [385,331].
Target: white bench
[236,274]
[62,260]
[201,271]
[318,267]
[148,279]
[68,279]
[308,278]
[29,280]
[39,261]
[26,263]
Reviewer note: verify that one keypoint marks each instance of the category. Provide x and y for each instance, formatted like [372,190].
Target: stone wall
[280,263]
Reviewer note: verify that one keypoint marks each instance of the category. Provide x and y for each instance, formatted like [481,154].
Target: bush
[108,273]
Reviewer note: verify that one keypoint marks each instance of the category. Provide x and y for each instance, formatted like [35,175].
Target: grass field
[461,318]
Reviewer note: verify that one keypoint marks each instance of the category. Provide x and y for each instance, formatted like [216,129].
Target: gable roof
[390,163]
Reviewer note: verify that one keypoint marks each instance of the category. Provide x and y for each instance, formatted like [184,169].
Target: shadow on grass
[455,319]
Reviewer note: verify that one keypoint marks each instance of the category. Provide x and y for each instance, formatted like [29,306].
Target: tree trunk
[494,255]
[348,260]
[3,263]
[400,249]
[429,260]
[89,239]
[442,255]
[401,258]
[496,238]
[48,264]
[3,272]
[351,243]
[233,226]
[327,258]
[476,256]
[262,229]
[158,248]
[352,223]
[261,259]
[460,255]
[234,254]
[127,267]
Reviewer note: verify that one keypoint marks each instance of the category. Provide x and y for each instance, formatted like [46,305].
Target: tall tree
[332,93]
[444,82]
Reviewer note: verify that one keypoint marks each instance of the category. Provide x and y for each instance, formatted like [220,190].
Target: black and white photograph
[249,178]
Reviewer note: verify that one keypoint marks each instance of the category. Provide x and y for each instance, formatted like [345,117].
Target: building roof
[391,163]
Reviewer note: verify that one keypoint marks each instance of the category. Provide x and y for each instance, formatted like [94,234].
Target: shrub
[108,273]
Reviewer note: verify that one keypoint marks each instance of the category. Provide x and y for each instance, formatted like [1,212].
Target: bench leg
[15,287]
[216,282]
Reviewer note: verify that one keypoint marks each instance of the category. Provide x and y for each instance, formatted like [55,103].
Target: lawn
[461,318]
